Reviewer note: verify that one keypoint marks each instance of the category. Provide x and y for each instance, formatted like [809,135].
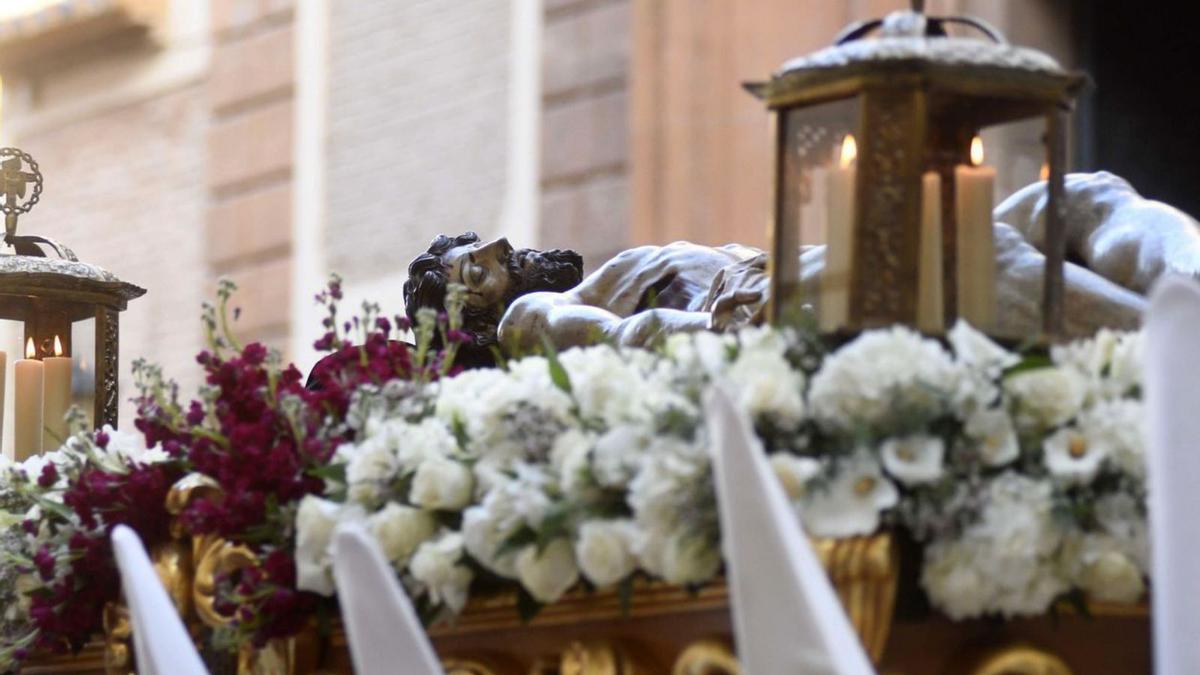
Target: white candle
[976,246]
[3,381]
[930,314]
[28,405]
[58,396]
[839,243]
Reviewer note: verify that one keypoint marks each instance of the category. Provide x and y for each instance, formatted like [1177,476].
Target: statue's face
[484,269]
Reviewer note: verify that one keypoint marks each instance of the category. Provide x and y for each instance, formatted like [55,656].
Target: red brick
[252,67]
[250,226]
[250,146]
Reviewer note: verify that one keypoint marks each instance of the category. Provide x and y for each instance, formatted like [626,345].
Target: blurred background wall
[275,141]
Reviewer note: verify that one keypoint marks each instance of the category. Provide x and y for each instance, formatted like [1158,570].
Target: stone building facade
[275,141]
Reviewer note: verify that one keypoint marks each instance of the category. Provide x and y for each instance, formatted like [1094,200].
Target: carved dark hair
[529,271]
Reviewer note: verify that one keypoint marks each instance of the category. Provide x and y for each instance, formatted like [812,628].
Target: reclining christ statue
[1118,245]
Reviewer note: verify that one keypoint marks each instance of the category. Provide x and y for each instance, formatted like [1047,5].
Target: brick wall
[249,147]
[418,133]
[585,122]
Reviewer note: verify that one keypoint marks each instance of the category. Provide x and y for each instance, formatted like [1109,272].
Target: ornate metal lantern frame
[917,98]
[49,295]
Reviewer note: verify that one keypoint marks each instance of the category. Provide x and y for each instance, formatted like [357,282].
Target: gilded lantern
[873,147]
[49,294]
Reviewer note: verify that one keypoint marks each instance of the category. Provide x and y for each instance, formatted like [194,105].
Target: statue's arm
[568,323]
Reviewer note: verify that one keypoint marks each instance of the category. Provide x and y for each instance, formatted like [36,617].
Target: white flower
[130,447]
[606,385]
[1069,455]
[1109,361]
[436,567]
[1117,428]
[316,519]
[400,529]
[1123,518]
[794,472]
[549,572]
[481,401]
[766,385]
[1100,567]
[441,484]
[703,352]
[569,458]
[914,459]
[861,383]
[484,532]
[371,467]
[993,430]
[618,454]
[1005,563]
[1046,397]
[688,559]
[975,350]
[604,550]
[851,503]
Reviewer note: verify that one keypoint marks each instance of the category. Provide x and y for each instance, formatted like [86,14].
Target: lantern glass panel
[815,184]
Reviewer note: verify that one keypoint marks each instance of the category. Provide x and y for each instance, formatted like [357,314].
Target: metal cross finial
[13,184]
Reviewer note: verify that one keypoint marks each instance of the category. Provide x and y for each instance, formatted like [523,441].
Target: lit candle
[839,243]
[930,316]
[976,245]
[28,405]
[58,396]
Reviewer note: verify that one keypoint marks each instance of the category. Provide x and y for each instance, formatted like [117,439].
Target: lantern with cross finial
[49,294]
[877,146]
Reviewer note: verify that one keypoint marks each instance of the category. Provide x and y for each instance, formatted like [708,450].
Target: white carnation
[604,549]
[400,529]
[436,567]
[569,459]
[549,572]
[766,385]
[688,559]
[371,467]
[861,383]
[619,453]
[316,519]
[441,483]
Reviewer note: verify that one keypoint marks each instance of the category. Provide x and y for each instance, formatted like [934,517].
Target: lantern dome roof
[911,43]
[67,281]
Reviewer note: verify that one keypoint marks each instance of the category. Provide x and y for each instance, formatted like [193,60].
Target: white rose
[605,551]
[400,529]
[688,559]
[548,573]
[767,386]
[794,472]
[484,532]
[1112,577]
[569,458]
[914,459]
[436,567]
[618,454]
[1069,455]
[1047,397]
[315,521]
[441,484]
[993,430]
[851,503]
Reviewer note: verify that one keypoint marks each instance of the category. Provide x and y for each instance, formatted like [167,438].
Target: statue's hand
[738,295]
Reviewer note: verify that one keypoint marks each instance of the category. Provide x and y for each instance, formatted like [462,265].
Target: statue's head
[493,274]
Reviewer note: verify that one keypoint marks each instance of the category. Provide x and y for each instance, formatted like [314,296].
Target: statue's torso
[675,276]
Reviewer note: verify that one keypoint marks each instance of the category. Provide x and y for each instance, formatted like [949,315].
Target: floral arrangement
[1020,475]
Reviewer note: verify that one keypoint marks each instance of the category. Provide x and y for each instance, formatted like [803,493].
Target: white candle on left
[974,187]
[27,406]
[839,243]
[58,396]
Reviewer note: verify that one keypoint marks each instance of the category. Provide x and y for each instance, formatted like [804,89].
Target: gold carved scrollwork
[595,657]
[118,640]
[466,667]
[707,657]
[865,572]
[1021,660]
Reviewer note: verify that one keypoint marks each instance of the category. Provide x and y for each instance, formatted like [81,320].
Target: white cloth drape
[160,640]
[787,617]
[385,635]
[1172,380]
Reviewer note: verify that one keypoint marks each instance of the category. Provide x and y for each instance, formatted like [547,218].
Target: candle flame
[1044,174]
[849,151]
[976,151]
[57,346]
[30,350]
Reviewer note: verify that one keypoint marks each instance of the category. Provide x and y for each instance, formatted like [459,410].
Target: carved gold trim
[707,657]
[1021,660]
[865,571]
